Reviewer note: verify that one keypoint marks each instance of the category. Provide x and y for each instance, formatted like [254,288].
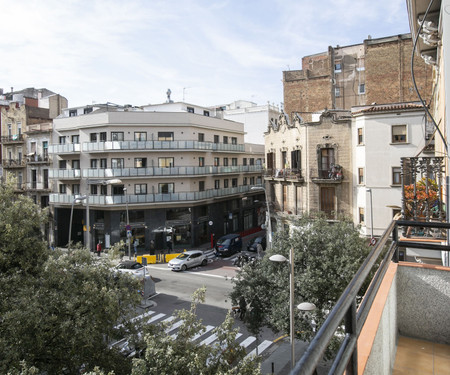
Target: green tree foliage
[182,355]
[326,257]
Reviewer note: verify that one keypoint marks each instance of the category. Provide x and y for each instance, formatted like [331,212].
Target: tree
[326,257]
[182,355]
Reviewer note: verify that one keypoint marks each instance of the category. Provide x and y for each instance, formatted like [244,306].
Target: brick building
[375,71]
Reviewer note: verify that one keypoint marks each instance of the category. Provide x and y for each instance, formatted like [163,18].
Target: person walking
[136,244]
[99,248]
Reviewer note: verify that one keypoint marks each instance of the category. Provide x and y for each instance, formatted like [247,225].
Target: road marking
[209,340]
[156,317]
[206,330]
[174,326]
[261,347]
[247,341]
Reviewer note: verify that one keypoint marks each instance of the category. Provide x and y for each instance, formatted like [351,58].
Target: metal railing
[160,145]
[173,171]
[64,173]
[13,163]
[346,307]
[12,138]
[65,148]
[287,173]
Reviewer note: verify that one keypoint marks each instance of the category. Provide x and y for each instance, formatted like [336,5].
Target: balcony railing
[159,145]
[34,185]
[64,173]
[386,249]
[287,173]
[152,198]
[13,163]
[39,128]
[38,159]
[15,138]
[174,171]
[66,148]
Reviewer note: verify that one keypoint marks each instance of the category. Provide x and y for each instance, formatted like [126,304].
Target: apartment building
[172,171]
[26,118]
[375,71]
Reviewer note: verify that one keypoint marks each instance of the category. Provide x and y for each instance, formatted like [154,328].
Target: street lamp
[128,223]
[369,190]
[76,200]
[269,224]
[113,181]
[304,306]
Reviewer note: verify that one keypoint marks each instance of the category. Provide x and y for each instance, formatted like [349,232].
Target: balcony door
[326,159]
[327,201]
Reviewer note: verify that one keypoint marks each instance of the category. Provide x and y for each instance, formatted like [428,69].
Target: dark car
[228,245]
[253,243]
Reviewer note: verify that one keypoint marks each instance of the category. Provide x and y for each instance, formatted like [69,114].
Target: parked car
[228,245]
[251,246]
[187,260]
[131,267]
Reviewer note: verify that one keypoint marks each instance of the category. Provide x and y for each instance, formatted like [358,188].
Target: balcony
[287,174]
[332,175]
[16,138]
[35,186]
[157,198]
[159,145]
[64,174]
[174,171]
[39,128]
[13,163]
[402,317]
[67,148]
[38,159]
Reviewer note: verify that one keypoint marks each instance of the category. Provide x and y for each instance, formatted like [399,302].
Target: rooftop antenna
[168,96]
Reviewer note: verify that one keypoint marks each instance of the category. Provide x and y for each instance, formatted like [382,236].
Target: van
[228,245]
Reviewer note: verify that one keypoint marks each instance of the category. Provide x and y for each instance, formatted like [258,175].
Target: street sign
[128,227]
[210,222]
[373,241]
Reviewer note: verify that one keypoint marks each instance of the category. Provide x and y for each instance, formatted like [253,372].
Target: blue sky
[213,52]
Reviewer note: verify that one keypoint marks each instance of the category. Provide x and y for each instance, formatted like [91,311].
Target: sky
[207,52]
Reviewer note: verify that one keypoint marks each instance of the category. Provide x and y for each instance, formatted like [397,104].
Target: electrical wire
[414,79]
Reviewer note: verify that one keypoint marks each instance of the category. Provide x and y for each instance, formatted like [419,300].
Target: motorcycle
[244,259]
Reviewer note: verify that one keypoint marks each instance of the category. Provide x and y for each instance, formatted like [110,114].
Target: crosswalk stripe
[174,326]
[205,331]
[156,317]
[261,347]
[248,341]
[209,339]
[136,318]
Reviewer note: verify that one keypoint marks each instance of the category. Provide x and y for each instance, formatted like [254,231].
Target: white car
[187,260]
[131,267]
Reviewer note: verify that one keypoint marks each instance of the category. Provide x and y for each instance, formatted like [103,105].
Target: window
[94,163]
[103,137]
[62,164]
[75,139]
[165,136]
[233,140]
[116,136]
[396,176]
[360,136]
[87,110]
[62,189]
[234,162]
[103,189]
[338,67]
[284,163]
[252,161]
[201,186]
[296,160]
[234,182]
[166,188]
[103,163]
[140,189]
[216,139]
[325,161]
[72,112]
[19,127]
[225,162]
[362,88]
[76,189]
[337,92]
[216,162]
[201,161]
[225,139]
[165,162]
[399,134]
[244,161]
[360,176]
[62,140]
[252,180]
[206,113]
[225,183]
[45,148]
[94,189]
[244,181]
[93,137]
[140,136]
[201,137]
[117,189]
[117,163]
[361,215]
[76,164]
[190,109]
[140,162]
[216,184]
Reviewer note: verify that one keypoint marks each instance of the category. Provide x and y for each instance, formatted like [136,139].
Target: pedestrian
[169,243]
[152,247]
[99,248]
[242,308]
[136,244]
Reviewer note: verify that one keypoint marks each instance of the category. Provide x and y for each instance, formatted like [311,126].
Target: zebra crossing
[204,337]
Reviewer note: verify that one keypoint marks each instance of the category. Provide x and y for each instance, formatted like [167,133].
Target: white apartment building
[182,173]
[381,136]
